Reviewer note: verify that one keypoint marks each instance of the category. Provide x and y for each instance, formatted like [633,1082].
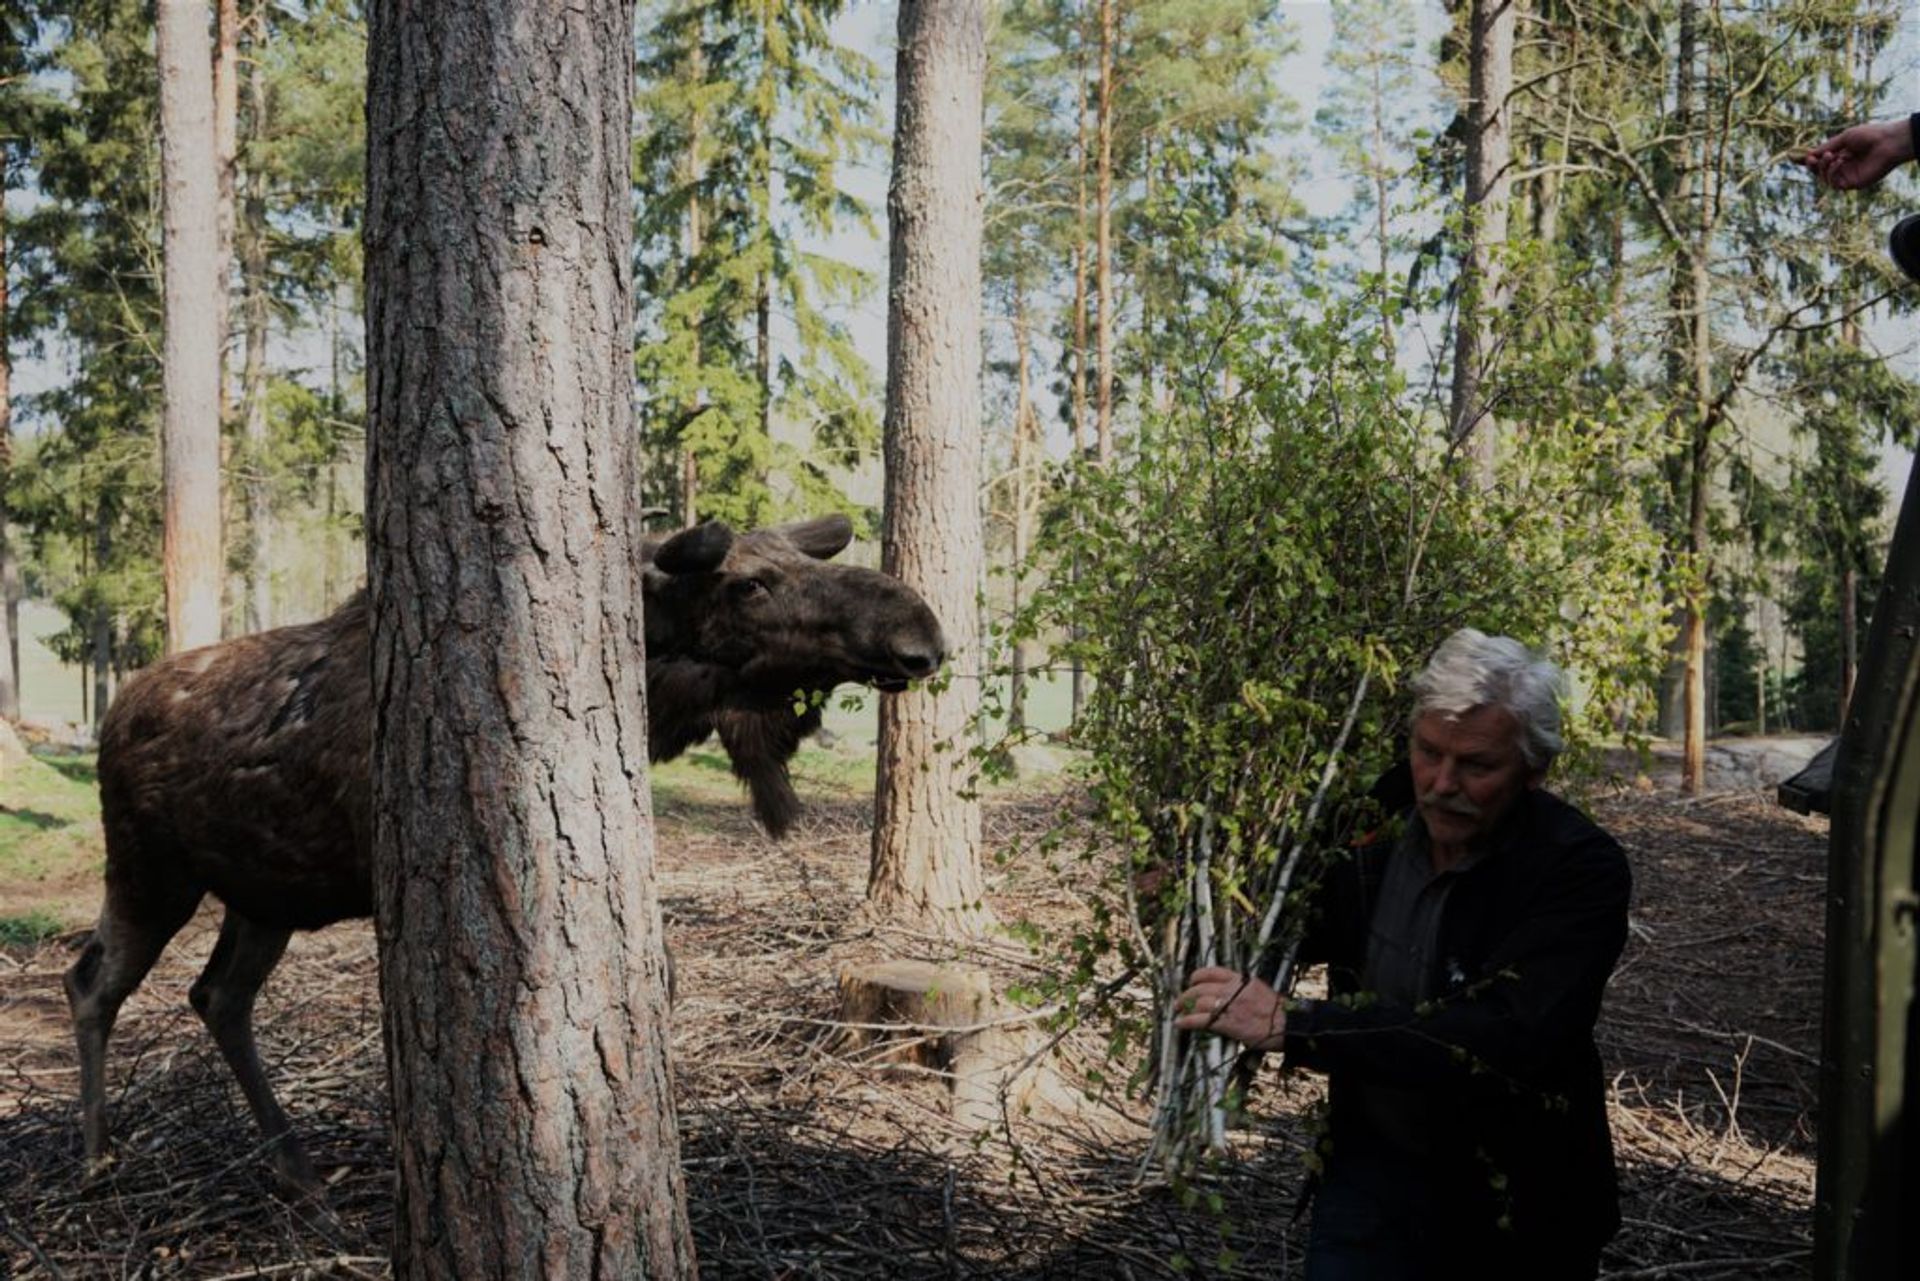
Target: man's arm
[1863,155]
[1544,983]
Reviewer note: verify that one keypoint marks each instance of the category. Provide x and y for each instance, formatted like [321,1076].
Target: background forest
[1622,312]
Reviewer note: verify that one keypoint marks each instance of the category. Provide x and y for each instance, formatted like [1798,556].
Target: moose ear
[822,538]
[695,551]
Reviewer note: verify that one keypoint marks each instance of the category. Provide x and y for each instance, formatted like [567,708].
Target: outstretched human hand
[1862,155]
[1233,1005]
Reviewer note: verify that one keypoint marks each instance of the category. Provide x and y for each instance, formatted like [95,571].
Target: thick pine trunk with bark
[196,300]
[926,841]
[1489,149]
[522,969]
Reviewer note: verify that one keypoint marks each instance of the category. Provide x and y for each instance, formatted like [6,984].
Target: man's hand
[1232,1004]
[1862,155]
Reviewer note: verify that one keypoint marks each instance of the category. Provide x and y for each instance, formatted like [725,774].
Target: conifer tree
[752,116]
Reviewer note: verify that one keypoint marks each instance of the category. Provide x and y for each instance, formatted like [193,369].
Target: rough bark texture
[196,300]
[1489,151]
[226,116]
[926,841]
[1699,458]
[521,946]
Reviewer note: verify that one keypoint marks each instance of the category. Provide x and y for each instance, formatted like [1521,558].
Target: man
[1466,957]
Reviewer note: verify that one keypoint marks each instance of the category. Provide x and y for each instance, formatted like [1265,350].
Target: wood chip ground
[803,1161]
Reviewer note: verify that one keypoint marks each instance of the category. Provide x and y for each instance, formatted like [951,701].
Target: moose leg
[223,996]
[134,927]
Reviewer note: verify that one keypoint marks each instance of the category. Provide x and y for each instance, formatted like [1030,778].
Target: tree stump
[940,1017]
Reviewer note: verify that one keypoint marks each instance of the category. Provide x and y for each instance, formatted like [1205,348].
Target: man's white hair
[1471,669]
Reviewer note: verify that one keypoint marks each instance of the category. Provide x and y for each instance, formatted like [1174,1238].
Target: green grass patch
[703,777]
[27,928]
[50,843]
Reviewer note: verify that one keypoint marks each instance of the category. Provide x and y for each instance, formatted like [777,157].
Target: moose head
[775,617]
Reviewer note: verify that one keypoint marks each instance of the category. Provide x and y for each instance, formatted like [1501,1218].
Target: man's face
[1468,772]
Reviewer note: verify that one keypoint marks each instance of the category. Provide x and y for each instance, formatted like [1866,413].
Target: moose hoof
[296,1179]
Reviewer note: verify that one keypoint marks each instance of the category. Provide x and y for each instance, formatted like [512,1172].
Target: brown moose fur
[243,769]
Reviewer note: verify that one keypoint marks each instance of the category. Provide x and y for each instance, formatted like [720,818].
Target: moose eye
[745,588]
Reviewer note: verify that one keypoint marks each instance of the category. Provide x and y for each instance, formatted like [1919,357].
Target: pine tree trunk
[9,661]
[1079,676]
[521,964]
[1699,460]
[226,116]
[100,643]
[253,385]
[1489,150]
[1849,639]
[195,307]
[696,241]
[763,285]
[226,132]
[926,841]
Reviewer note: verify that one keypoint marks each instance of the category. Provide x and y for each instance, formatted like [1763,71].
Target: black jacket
[1502,1063]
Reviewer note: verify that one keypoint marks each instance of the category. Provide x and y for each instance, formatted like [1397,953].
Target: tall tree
[256,319]
[86,493]
[1489,153]
[9,649]
[753,115]
[522,968]
[1365,120]
[195,275]
[1103,266]
[926,840]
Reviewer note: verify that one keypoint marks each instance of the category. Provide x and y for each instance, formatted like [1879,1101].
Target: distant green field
[50,691]
[50,840]
[50,845]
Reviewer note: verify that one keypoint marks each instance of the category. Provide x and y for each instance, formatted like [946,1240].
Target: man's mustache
[1459,805]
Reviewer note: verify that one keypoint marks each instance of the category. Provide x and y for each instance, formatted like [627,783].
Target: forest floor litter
[805,1158]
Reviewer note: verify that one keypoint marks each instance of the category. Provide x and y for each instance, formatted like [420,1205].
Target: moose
[243,770]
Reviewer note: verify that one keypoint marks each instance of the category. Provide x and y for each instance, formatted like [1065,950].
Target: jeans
[1356,1237]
